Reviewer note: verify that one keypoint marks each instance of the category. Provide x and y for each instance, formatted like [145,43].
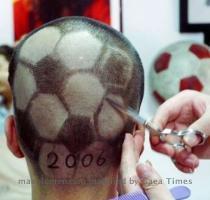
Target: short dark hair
[7,51]
[55,74]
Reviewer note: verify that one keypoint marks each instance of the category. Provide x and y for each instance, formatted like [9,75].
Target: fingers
[168,113]
[131,150]
[163,116]
[169,110]
[128,167]
[164,148]
[139,136]
[185,161]
[203,152]
[151,183]
[202,125]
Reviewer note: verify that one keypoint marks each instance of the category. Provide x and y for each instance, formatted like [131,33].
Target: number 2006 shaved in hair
[61,76]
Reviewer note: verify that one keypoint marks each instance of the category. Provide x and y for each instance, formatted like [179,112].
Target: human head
[61,75]
[5,56]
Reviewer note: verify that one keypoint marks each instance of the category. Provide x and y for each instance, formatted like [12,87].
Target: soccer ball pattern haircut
[61,76]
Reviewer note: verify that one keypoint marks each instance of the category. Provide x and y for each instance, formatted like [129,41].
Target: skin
[68,130]
[129,168]
[25,141]
[144,174]
[190,109]
[54,192]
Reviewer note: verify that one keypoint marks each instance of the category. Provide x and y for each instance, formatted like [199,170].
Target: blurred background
[155,28]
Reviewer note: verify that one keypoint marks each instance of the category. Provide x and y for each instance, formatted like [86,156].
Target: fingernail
[127,135]
[190,161]
[191,140]
[126,139]
[144,171]
[129,140]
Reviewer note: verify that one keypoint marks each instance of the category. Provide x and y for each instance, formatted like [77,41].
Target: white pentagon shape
[126,71]
[83,94]
[110,122]
[79,50]
[24,86]
[48,115]
[39,45]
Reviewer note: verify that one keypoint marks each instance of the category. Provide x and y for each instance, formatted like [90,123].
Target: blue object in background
[132,196]
[179,193]
[3,115]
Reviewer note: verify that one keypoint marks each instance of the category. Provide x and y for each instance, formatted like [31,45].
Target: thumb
[201,125]
[151,183]
[127,167]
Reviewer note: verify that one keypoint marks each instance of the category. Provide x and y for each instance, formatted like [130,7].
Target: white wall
[6,22]
[151,25]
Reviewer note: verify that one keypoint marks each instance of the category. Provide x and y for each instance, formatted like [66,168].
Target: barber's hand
[188,109]
[129,170]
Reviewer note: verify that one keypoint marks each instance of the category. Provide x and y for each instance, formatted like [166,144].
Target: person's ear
[11,134]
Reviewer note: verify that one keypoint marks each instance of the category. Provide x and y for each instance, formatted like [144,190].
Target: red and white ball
[181,66]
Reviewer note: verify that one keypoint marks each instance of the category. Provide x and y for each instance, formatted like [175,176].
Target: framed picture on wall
[30,14]
[195,17]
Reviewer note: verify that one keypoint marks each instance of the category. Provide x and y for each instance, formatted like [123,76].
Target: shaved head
[61,76]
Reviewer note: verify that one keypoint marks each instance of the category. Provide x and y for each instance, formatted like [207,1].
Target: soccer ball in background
[180,66]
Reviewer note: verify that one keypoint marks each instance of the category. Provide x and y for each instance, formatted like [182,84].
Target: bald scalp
[61,75]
